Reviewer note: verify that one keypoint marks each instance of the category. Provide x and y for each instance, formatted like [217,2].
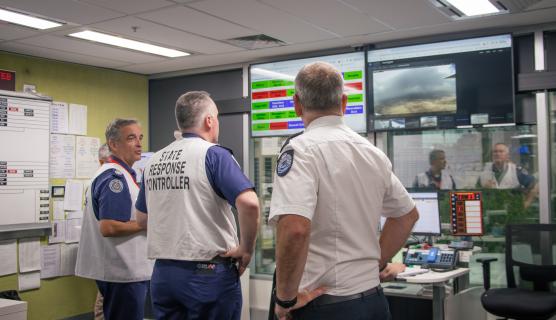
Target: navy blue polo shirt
[524,178]
[223,172]
[110,194]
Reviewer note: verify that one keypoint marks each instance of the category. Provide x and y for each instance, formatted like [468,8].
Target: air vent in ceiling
[504,6]
[259,41]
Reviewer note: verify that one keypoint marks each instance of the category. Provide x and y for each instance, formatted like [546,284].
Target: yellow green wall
[107,94]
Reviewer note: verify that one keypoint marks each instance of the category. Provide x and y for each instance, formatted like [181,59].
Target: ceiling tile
[400,14]
[197,22]
[334,16]
[234,58]
[66,10]
[130,6]
[264,19]
[10,31]
[543,4]
[77,46]
[60,55]
[193,62]
[158,34]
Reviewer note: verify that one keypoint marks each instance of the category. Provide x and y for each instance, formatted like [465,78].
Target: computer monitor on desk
[429,215]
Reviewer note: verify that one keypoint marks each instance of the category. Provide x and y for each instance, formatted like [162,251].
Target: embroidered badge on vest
[285,163]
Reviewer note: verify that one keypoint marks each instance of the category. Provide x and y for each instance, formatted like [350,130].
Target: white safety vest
[446,182]
[509,180]
[187,220]
[112,259]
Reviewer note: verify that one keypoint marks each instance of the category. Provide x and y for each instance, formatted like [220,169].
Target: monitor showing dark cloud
[415,90]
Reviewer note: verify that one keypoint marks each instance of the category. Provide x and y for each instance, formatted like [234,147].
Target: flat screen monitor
[272,89]
[429,214]
[442,85]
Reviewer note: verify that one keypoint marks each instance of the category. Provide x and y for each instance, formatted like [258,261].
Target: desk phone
[432,258]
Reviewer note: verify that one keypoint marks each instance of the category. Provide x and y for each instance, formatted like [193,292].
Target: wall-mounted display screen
[272,89]
[442,85]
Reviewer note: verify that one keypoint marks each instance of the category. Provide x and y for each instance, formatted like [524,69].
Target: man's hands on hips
[242,256]
[303,298]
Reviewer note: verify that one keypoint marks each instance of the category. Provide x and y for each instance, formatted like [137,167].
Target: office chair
[531,251]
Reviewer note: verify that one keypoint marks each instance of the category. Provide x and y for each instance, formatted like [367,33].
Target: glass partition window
[499,162]
[266,151]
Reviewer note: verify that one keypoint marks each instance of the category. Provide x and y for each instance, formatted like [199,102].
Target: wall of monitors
[442,85]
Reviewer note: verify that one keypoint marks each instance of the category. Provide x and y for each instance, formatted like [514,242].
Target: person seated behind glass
[502,173]
[436,177]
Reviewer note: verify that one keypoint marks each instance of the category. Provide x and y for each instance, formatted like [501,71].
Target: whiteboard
[24,158]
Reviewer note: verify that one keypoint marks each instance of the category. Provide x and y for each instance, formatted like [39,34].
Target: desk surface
[434,277]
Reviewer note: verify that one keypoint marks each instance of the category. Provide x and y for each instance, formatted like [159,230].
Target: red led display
[7,80]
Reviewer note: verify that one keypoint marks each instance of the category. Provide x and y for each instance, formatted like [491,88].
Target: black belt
[329,299]
[223,260]
[192,265]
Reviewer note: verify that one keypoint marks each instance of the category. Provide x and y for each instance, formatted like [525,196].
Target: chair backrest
[530,249]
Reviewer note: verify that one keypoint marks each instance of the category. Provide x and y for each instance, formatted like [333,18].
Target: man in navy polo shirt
[186,196]
[113,246]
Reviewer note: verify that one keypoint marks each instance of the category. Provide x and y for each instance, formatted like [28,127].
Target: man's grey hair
[104,152]
[113,129]
[319,87]
[435,154]
[190,108]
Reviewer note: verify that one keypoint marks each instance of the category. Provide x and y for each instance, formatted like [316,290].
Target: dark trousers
[123,300]
[195,290]
[371,307]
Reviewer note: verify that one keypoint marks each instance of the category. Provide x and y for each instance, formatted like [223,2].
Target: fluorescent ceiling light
[474,7]
[128,44]
[27,20]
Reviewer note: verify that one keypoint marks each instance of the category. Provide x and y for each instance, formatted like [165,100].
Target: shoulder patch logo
[116,186]
[285,163]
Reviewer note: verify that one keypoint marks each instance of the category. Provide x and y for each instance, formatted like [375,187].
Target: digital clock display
[467,195]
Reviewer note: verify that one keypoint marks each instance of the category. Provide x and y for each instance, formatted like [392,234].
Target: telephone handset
[433,258]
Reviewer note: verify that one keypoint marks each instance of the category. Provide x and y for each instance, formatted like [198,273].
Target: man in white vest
[113,246]
[436,177]
[501,173]
[187,193]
